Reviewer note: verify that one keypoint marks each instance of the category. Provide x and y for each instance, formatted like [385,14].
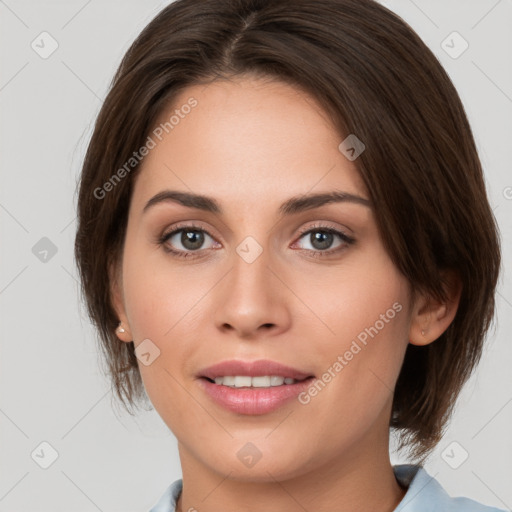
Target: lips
[262,367]
[253,401]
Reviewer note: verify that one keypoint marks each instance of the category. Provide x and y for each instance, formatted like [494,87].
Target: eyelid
[324,225]
[192,225]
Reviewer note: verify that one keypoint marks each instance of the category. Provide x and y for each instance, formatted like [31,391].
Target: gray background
[51,387]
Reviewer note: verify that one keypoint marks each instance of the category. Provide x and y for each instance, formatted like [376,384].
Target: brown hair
[375,78]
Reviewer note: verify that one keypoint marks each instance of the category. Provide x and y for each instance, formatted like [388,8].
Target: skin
[252,144]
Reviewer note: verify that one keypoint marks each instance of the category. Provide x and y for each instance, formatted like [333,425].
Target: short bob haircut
[375,78]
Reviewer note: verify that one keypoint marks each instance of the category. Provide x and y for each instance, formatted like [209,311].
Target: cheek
[364,310]
[157,293]
[162,306]
[364,298]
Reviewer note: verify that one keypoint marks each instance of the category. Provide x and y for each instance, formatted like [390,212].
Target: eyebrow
[292,206]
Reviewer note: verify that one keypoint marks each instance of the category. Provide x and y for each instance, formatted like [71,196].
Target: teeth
[242,381]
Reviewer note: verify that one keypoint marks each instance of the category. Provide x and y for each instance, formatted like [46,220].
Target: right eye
[190,237]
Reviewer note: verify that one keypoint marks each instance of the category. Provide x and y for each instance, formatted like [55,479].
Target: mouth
[253,388]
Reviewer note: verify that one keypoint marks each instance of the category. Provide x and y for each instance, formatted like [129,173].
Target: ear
[123,331]
[431,318]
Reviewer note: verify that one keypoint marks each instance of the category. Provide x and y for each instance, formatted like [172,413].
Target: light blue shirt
[424,494]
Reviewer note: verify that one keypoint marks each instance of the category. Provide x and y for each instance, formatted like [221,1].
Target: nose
[253,299]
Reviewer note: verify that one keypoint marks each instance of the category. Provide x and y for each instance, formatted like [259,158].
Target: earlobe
[431,318]
[123,333]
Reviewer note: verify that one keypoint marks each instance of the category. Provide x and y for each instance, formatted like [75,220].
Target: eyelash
[348,240]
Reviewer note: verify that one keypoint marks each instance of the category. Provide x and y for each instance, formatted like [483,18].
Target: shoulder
[426,494]
[167,502]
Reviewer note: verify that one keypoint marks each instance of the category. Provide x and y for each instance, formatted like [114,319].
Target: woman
[284,239]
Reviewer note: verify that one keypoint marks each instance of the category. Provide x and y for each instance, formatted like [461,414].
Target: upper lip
[257,368]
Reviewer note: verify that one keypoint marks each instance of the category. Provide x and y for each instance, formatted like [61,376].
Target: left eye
[322,239]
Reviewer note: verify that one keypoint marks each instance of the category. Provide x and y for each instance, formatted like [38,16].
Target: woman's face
[257,282]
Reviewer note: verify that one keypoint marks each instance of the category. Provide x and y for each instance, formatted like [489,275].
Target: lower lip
[253,400]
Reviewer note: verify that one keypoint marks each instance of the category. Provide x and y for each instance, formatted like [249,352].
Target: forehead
[244,140]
